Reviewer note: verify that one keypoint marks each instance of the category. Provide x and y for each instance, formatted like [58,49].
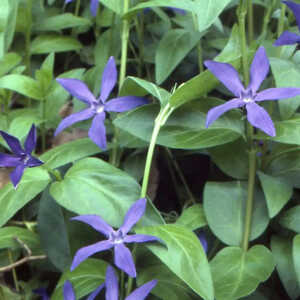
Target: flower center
[25,158]
[247,100]
[247,96]
[98,107]
[117,237]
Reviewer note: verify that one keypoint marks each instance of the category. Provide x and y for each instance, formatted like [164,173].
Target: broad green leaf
[192,217]
[23,85]
[4,16]
[92,186]
[8,62]
[296,256]
[69,152]
[237,273]
[32,183]
[11,23]
[224,206]
[62,21]
[282,252]
[169,286]
[44,44]
[9,233]
[286,74]
[114,5]
[140,87]
[185,128]
[277,192]
[181,40]
[291,219]
[85,278]
[184,255]
[53,234]
[6,293]
[236,162]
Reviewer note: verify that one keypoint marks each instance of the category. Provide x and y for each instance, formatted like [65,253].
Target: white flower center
[100,109]
[117,237]
[247,100]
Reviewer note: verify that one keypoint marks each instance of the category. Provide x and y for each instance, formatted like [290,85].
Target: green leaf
[8,62]
[237,273]
[114,5]
[277,192]
[52,230]
[181,40]
[62,21]
[224,206]
[32,183]
[183,255]
[92,186]
[85,278]
[236,162]
[9,233]
[140,87]
[6,293]
[282,252]
[296,256]
[69,152]
[44,44]
[192,217]
[23,85]
[185,128]
[286,74]
[291,219]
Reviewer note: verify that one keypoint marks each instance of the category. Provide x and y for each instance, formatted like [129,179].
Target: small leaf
[237,273]
[192,217]
[8,62]
[291,219]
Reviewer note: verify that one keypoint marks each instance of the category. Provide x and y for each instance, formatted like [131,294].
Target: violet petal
[287,38]
[111,282]
[277,93]
[259,69]
[94,7]
[33,162]
[7,160]
[93,295]
[295,9]
[16,175]
[178,10]
[30,141]
[134,213]
[143,291]
[140,238]
[68,291]
[227,74]
[13,143]
[125,103]
[109,79]
[258,117]
[78,89]
[124,260]
[74,118]
[96,222]
[85,252]
[97,131]
[215,112]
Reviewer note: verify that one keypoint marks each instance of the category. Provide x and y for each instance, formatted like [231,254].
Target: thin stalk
[250,22]
[199,46]
[140,33]
[43,127]
[14,273]
[28,36]
[122,284]
[77,7]
[280,26]
[267,19]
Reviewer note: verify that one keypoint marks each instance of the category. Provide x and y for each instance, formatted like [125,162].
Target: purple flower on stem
[256,115]
[115,239]
[69,293]
[290,38]
[97,107]
[112,288]
[21,158]
[93,6]
[41,292]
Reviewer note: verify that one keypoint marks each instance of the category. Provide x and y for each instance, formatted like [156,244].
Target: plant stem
[28,36]
[280,26]
[43,127]
[250,22]
[14,273]
[77,7]
[199,46]
[159,122]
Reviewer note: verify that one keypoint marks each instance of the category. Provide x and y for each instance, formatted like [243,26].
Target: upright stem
[199,46]
[14,273]
[28,35]
[280,26]
[250,21]
[77,7]
[43,127]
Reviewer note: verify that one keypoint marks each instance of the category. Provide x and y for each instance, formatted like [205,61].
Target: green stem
[199,46]
[14,273]
[280,26]
[43,126]
[55,173]
[28,35]
[250,21]
[77,7]
[159,122]
[242,11]
[267,19]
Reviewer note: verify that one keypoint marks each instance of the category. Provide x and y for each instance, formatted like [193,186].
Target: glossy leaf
[92,186]
[237,273]
[224,207]
[183,255]
[291,219]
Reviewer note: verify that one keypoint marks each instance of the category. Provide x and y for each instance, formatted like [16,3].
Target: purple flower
[112,288]
[203,241]
[115,239]
[41,292]
[256,115]
[289,38]
[97,107]
[93,6]
[21,158]
[69,293]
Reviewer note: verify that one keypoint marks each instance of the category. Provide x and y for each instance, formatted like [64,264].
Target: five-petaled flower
[93,6]
[21,158]
[97,107]
[290,38]
[256,115]
[112,288]
[115,238]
